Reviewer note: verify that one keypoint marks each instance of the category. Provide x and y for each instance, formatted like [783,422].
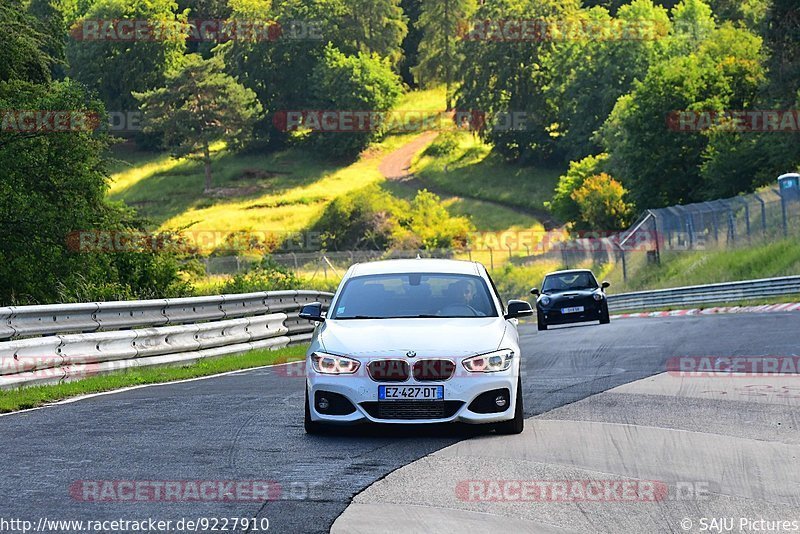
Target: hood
[574,293]
[426,337]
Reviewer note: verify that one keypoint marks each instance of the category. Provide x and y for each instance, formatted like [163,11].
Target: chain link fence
[729,223]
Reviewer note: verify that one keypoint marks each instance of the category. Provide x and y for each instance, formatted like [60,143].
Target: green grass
[20,399]
[473,171]
[425,100]
[677,269]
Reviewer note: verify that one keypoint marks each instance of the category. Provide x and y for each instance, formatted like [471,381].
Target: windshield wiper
[361,317]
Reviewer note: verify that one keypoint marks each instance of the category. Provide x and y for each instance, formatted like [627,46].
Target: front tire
[312,427]
[605,317]
[516,425]
[540,322]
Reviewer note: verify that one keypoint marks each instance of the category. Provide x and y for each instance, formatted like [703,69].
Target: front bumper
[459,392]
[592,311]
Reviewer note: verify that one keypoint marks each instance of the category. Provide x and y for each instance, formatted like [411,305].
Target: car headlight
[598,297]
[545,301]
[330,364]
[489,363]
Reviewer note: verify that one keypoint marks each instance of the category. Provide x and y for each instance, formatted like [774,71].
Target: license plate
[576,309]
[410,392]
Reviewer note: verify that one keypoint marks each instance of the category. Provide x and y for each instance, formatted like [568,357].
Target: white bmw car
[415,341]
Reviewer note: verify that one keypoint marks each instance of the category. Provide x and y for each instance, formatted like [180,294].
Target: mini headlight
[598,297]
[489,363]
[330,364]
[545,301]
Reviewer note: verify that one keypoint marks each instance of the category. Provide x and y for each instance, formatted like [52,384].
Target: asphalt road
[248,426]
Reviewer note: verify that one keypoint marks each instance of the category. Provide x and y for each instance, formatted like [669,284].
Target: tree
[505,76]
[375,26]
[662,166]
[601,204]
[52,16]
[281,71]
[199,105]
[589,75]
[116,67]
[352,83]
[22,54]
[412,9]
[53,190]
[781,31]
[439,57]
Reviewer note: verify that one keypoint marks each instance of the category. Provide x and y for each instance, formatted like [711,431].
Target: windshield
[555,283]
[413,295]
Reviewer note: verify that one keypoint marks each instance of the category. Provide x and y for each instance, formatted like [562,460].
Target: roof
[424,265]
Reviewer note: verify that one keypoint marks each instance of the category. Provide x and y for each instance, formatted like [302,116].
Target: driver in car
[460,295]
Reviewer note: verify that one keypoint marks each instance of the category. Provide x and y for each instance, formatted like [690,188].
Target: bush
[372,219]
[601,203]
[360,220]
[428,225]
[445,144]
[563,205]
[267,276]
[352,83]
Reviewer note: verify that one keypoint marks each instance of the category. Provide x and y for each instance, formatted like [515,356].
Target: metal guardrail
[716,293]
[78,340]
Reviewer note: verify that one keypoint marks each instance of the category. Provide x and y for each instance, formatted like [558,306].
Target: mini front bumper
[463,387]
[592,311]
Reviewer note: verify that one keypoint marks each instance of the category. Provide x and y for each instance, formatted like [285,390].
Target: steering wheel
[459,309]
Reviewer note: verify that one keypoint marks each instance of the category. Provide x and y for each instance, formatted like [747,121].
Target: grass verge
[688,268]
[21,399]
[471,170]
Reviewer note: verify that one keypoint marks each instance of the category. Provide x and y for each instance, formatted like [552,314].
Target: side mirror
[605,285]
[312,312]
[518,308]
[535,291]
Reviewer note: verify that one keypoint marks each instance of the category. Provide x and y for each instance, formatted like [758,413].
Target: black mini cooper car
[571,297]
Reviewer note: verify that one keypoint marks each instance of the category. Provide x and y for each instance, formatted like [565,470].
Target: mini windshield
[576,281]
[411,295]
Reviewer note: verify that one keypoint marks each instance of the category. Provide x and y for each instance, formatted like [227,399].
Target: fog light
[500,401]
[323,403]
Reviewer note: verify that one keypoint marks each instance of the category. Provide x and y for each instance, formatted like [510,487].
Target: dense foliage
[372,219]
[53,189]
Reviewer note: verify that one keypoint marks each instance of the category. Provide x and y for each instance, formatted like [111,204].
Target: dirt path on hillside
[397,164]
[396,167]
